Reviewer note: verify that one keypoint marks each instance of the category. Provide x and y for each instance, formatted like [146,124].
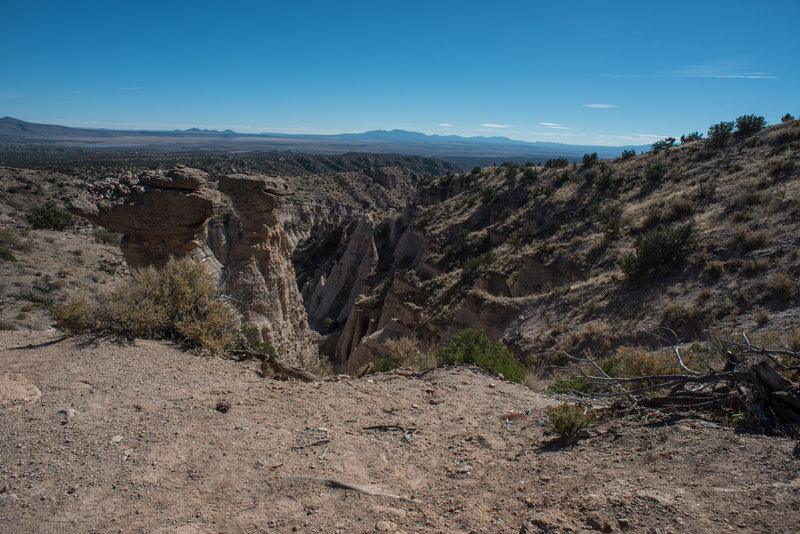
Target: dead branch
[332,482]
[279,366]
[749,382]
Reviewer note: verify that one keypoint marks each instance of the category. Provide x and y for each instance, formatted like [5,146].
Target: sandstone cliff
[163,214]
[258,273]
[333,297]
[159,214]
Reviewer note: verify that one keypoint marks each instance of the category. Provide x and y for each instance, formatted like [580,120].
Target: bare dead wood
[339,484]
[770,377]
[388,428]
[312,444]
[279,366]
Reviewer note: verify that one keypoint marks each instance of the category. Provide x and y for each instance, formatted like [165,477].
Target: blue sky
[575,72]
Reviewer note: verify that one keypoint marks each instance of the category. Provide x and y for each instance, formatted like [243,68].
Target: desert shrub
[662,144]
[405,351]
[8,240]
[475,265]
[714,269]
[749,124]
[748,240]
[568,420]
[706,192]
[488,196]
[629,362]
[590,159]
[530,174]
[178,301]
[787,118]
[782,285]
[655,174]
[384,365]
[101,235]
[627,154]
[688,138]
[658,250]
[556,163]
[473,347]
[610,219]
[751,266]
[49,216]
[77,313]
[605,178]
[717,133]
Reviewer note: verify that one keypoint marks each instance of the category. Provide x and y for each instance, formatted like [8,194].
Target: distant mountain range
[465,151]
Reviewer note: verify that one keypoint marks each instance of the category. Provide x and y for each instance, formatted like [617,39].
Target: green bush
[717,133]
[658,250]
[178,301]
[568,420]
[627,154]
[663,144]
[655,173]
[488,196]
[473,347]
[747,124]
[590,159]
[475,265]
[49,216]
[688,138]
[787,118]
[556,163]
[610,219]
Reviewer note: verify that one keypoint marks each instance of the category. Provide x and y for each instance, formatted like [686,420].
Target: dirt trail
[148,438]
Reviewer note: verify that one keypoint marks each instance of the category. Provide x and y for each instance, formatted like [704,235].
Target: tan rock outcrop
[163,214]
[258,273]
[333,297]
[159,214]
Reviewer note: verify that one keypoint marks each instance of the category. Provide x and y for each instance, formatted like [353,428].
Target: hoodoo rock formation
[159,214]
[335,296]
[163,214]
[258,274]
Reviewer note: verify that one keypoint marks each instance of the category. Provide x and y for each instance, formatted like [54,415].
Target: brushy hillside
[700,237]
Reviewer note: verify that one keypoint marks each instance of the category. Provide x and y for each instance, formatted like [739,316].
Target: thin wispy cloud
[600,106]
[724,69]
[552,125]
[446,125]
[492,125]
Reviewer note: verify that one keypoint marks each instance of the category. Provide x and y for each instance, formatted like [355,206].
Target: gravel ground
[101,437]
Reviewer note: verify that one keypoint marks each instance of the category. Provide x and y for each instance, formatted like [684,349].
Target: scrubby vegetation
[473,347]
[179,301]
[49,216]
[658,250]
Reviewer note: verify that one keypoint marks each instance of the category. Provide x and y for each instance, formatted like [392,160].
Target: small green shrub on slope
[473,347]
[658,250]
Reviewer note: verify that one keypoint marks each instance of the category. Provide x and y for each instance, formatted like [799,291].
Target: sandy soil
[100,437]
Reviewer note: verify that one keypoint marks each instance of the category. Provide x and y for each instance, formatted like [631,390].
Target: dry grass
[178,301]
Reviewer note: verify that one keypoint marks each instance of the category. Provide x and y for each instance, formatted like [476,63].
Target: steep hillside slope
[698,238]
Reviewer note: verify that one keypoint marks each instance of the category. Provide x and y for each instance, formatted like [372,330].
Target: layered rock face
[335,296]
[258,273]
[163,214]
[159,214]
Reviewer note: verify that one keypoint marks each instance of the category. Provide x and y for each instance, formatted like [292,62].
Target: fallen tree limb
[753,380]
[339,484]
[279,366]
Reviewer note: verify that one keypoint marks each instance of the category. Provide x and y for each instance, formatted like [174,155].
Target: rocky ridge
[164,214]
[530,254]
